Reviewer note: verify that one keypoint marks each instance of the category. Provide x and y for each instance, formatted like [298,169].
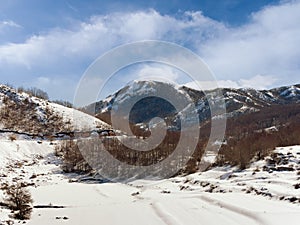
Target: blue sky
[49,44]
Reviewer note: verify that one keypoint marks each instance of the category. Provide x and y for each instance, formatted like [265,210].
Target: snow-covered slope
[274,177]
[238,101]
[11,151]
[218,196]
[79,120]
[24,114]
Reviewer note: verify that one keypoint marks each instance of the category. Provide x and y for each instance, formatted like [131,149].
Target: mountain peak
[238,101]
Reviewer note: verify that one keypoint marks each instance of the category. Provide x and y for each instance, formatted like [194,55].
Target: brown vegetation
[18,199]
[246,136]
[33,91]
[73,160]
[22,116]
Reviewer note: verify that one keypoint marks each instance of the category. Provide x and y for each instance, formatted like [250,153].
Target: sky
[50,44]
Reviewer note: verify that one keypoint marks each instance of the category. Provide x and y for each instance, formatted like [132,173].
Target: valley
[264,190]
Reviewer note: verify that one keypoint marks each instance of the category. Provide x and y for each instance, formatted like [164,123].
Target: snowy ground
[266,193]
[79,120]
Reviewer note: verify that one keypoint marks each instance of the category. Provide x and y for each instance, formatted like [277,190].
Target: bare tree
[19,200]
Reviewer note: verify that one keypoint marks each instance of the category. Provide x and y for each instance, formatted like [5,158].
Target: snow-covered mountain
[268,188]
[23,114]
[265,117]
[238,101]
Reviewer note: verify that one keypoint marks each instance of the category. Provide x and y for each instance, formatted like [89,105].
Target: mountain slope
[238,101]
[23,114]
[257,121]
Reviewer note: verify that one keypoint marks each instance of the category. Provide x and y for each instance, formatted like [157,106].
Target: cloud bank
[262,53]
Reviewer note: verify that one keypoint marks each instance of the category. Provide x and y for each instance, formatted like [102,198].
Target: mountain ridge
[256,121]
[238,101]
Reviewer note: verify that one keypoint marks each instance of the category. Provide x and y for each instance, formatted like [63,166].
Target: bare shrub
[12,137]
[19,200]
[36,92]
[23,117]
[247,136]
[73,160]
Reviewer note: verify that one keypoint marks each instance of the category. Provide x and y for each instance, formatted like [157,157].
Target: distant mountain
[257,120]
[238,101]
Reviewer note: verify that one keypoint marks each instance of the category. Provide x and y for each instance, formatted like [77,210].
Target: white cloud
[163,73]
[101,33]
[257,82]
[43,81]
[267,44]
[9,23]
